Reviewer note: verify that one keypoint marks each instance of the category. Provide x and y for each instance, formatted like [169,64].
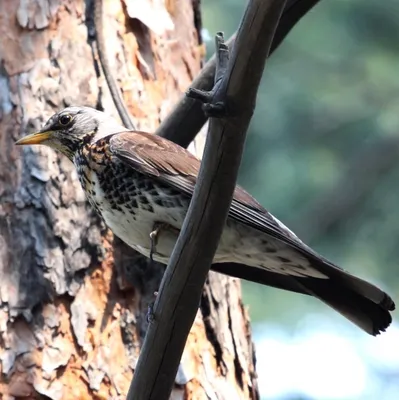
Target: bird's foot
[150,310]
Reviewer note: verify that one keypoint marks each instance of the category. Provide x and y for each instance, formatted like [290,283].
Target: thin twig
[187,118]
[102,53]
[181,288]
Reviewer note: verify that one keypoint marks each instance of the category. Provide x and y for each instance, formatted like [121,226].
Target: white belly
[135,230]
[239,243]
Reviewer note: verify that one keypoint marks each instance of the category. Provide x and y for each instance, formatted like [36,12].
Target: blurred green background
[322,153]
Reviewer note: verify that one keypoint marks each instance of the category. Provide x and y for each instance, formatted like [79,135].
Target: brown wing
[169,162]
[176,166]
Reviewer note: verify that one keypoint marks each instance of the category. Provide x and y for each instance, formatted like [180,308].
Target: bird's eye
[65,119]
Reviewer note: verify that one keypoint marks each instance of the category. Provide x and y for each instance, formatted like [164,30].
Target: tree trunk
[73,303]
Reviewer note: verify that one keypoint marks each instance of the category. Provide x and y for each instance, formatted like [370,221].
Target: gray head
[67,130]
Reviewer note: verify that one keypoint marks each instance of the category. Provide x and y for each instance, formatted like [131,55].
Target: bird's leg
[154,235]
[154,239]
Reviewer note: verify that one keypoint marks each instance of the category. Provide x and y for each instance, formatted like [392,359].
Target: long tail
[359,301]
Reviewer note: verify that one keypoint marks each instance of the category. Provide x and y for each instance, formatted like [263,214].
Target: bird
[137,181]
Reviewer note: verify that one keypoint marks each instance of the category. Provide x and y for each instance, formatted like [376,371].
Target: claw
[150,310]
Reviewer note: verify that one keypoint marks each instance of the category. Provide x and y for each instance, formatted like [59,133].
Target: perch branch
[187,118]
[177,302]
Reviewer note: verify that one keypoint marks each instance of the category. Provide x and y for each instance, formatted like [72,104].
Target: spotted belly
[132,217]
[131,209]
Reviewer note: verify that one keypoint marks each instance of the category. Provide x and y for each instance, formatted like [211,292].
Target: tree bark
[73,301]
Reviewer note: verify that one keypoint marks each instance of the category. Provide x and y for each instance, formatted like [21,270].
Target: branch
[181,288]
[187,118]
[102,54]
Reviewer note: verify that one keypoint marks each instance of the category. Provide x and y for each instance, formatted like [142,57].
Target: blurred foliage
[327,111]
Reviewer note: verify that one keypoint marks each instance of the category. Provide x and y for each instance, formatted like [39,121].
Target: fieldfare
[136,180]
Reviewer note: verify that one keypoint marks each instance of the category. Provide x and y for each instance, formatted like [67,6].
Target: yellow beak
[34,138]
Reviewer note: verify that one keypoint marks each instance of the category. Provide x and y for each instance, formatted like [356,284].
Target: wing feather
[176,166]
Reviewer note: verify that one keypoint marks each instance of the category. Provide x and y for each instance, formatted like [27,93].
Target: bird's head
[69,129]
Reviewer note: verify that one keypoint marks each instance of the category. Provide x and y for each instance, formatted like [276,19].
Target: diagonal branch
[187,118]
[181,288]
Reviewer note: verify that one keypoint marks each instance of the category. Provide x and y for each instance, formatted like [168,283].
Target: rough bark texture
[72,303]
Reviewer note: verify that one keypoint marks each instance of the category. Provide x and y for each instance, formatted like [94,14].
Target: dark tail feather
[260,275]
[367,315]
[359,301]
